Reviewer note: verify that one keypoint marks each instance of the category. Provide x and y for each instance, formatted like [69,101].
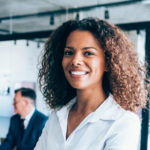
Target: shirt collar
[63,112]
[108,110]
[28,117]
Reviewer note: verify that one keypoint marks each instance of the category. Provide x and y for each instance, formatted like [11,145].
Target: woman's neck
[89,100]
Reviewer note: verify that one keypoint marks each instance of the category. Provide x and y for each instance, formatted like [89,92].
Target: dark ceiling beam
[45,34]
[27,36]
[4,31]
[135,25]
[71,10]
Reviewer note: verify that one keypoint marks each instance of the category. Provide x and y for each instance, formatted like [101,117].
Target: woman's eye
[88,53]
[68,53]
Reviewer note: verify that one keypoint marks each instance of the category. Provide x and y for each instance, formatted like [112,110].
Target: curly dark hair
[125,78]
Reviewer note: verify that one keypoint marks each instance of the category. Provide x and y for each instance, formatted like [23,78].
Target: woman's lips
[78,74]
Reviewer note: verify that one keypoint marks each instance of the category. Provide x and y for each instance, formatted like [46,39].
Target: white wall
[18,63]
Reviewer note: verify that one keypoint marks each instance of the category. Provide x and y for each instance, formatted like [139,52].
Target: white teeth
[78,73]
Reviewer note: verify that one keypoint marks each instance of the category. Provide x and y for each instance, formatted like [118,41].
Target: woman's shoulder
[131,117]
[127,119]
[122,114]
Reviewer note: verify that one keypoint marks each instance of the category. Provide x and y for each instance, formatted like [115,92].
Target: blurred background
[25,26]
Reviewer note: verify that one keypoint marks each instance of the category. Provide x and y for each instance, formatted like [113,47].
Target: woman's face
[83,61]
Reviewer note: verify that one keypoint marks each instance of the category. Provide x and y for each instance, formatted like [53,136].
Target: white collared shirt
[110,127]
[27,118]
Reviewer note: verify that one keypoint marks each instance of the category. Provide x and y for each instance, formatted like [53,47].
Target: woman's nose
[77,60]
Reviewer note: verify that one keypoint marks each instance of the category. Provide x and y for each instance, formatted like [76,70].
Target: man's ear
[26,101]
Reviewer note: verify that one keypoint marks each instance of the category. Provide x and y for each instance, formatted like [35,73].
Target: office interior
[26,25]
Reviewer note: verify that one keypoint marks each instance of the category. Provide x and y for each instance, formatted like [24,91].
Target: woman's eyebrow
[69,47]
[84,48]
[93,48]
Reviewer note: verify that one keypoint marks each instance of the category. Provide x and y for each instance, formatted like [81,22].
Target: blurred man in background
[26,126]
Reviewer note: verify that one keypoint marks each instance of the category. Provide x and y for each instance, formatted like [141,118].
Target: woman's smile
[83,61]
[78,73]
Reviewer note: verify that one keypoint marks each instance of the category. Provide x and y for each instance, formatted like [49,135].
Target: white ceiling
[23,16]
[21,7]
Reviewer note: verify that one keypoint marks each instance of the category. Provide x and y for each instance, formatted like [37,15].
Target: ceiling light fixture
[52,20]
[106,14]
[27,44]
[38,44]
[77,16]
[15,42]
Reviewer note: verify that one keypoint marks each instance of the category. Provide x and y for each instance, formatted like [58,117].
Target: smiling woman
[91,77]
[83,62]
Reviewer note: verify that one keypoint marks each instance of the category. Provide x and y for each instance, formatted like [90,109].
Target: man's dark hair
[27,92]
